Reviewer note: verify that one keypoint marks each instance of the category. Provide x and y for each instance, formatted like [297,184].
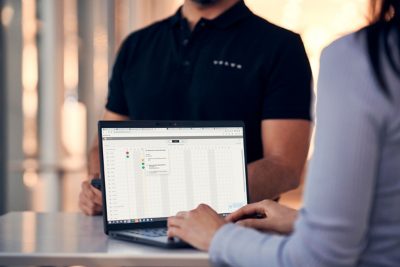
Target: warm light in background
[30,178]
[29,77]
[6,15]
[318,22]
[74,130]
[70,47]
[73,113]
[100,66]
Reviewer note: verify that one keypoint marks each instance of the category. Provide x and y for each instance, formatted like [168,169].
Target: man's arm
[285,146]
[90,201]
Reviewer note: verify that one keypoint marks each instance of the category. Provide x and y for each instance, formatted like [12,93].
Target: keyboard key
[152,232]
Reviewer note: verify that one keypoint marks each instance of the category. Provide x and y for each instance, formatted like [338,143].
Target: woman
[351,214]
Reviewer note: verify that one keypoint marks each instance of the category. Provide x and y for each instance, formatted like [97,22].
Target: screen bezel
[157,124]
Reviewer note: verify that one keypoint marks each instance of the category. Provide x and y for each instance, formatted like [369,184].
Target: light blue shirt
[351,213]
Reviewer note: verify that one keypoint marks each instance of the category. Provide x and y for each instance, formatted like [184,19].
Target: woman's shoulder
[346,73]
[350,46]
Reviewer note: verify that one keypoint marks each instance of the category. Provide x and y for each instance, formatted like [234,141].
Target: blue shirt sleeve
[332,228]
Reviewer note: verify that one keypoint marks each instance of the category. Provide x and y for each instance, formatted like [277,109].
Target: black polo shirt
[235,67]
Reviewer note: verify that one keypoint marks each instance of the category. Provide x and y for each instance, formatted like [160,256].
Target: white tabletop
[61,239]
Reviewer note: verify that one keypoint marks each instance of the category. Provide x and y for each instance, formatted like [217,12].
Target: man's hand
[274,217]
[90,199]
[197,227]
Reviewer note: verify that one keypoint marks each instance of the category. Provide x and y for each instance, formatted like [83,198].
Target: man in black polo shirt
[215,60]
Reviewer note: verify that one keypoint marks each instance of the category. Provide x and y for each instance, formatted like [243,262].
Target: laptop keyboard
[152,232]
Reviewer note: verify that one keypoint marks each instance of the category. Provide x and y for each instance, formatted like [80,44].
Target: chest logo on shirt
[227,64]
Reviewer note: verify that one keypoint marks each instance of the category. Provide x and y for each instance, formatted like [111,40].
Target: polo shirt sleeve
[289,88]
[116,99]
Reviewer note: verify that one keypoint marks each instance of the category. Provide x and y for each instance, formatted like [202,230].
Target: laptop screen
[152,173]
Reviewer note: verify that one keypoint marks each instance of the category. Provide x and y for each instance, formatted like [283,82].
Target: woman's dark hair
[385,17]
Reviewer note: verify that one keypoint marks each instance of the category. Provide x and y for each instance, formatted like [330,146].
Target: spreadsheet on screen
[156,172]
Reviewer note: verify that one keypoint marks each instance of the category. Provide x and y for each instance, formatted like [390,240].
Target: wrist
[291,221]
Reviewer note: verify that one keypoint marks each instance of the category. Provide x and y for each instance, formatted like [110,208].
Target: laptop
[150,170]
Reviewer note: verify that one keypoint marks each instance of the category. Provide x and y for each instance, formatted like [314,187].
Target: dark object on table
[96,182]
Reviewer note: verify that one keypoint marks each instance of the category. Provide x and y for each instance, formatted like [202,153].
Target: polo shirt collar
[234,14]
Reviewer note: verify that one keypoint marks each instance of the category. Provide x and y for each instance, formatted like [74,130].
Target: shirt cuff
[234,245]
[296,114]
[119,109]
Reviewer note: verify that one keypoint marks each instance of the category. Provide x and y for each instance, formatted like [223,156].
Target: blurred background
[55,62]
